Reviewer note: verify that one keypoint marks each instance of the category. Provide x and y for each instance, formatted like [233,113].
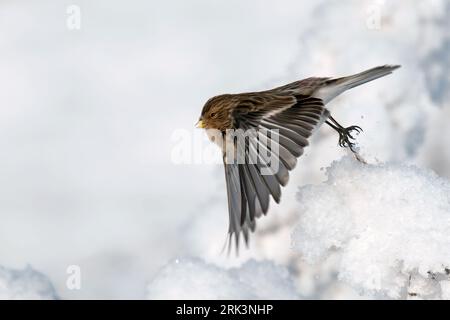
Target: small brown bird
[291,114]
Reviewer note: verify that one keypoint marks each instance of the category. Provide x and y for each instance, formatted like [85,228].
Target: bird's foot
[346,137]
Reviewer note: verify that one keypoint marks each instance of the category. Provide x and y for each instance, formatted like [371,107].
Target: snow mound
[26,284]
[389,224]
[191,278]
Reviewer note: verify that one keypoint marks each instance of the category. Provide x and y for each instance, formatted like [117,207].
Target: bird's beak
[200,124]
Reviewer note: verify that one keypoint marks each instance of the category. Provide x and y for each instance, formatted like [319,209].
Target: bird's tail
[336,86]
[363,77]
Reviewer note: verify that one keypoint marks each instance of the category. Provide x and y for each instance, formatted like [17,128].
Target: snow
[87,119]
[389,225]
[192,278]
[26,284]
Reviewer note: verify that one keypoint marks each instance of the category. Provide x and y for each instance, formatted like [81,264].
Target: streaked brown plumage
[295,110]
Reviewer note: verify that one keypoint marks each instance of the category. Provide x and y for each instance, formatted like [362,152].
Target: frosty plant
[73,21]
[253,146]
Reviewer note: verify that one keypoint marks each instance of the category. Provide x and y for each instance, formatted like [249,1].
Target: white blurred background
[87,117]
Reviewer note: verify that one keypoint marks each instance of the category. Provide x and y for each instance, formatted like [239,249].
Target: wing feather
[290,122]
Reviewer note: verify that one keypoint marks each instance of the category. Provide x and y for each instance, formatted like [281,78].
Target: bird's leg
[345,134]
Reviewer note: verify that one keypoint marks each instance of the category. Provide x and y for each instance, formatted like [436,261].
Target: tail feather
[363,77]
[336,86]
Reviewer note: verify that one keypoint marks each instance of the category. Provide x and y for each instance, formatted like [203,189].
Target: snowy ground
[385,226]
[253,280]
[25,284]
[86,124]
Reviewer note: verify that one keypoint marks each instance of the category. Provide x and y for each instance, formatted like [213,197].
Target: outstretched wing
[276,128]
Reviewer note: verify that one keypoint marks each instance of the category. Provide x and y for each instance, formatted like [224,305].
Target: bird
[281,122]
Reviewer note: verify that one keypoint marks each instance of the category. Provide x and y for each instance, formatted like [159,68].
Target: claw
[355,128]
[359,129]
[345,136]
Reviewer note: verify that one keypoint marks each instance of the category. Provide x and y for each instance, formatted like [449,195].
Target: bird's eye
[213,115]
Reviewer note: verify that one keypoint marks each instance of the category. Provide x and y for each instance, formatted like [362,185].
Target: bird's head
[216,113]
